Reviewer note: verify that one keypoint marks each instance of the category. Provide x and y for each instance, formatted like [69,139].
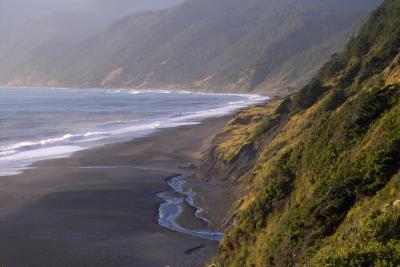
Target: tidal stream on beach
[172,208]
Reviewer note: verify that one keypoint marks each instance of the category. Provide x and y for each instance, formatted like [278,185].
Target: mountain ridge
[228,45]
[34,30]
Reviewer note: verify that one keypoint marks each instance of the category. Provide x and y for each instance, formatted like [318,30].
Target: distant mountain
[42,28]
[224,44]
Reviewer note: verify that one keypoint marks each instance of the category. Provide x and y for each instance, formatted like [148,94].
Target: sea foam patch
[13,164]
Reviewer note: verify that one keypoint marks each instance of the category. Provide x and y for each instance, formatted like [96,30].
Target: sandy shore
[99,207]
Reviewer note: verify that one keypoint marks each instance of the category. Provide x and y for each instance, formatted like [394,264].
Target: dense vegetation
[323,183]
[226,44]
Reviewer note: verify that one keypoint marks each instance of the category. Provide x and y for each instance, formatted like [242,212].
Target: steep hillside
[226,44]
[319,171]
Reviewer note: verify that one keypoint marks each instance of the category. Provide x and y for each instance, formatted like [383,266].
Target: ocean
[43,123]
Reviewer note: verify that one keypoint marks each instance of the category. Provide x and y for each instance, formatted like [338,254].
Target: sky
[12,11]
[66,21]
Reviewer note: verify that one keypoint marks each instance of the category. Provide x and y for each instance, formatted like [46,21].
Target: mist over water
[42,123]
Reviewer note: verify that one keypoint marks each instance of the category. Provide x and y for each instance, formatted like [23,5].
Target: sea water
[43,123]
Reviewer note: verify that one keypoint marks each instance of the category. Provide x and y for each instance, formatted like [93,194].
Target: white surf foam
[30,144]
[13,164]
[226,110]
[40,153]
[150,91]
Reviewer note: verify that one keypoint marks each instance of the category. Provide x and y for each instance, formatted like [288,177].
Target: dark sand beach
[99,206]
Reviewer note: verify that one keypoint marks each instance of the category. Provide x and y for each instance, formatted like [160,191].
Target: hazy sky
[17,10]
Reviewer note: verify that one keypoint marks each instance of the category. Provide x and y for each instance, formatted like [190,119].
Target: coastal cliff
[316,174]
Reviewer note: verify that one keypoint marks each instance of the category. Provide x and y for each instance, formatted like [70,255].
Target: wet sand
[99,206]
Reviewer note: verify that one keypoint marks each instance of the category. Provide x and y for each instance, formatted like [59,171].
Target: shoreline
[99,206]
[175,88]
[16,156]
